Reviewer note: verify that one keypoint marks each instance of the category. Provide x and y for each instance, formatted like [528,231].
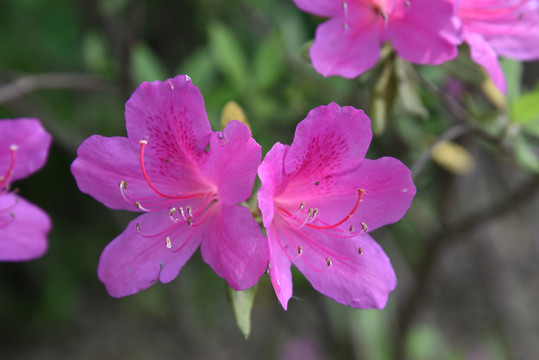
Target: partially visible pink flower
[187,191]
[24,148]
[500,27]
[319,199]
[348,44]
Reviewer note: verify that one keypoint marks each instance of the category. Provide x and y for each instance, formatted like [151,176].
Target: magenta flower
[187,192]
[24,147]
[421,31]
[500,27]
[320,197]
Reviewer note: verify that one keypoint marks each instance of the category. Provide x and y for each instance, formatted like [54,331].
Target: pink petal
[234,247]
[171,116]
[346,49]
[232,162]
[389,192]
[102,163]
[24,236]
[483,54]
[32,142]
[271,174]
[279,269]
[428,33]
[360,274]
[324,8]
[132,262]
[331,140]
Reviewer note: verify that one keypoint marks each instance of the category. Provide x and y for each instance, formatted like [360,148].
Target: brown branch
[439,240]
[30,83]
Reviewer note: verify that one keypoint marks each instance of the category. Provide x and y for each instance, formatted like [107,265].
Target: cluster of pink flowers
[319,198]
[422,32]
[24,147]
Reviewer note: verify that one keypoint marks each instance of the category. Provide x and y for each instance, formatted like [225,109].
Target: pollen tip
[300,250]
[190,221]
[138,227]
[360,251]
[171,211]
[143,142]
[302,206]
[137,204]
[14,147]
[169,244]
[351,229]
[328,262]
[364,227]
[123,184]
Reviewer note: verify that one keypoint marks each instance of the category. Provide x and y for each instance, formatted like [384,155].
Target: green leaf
[200,68]
[145,65]
[526,108]
[228,55]
[525,154]
[513,75]
[268,62]
[242,304]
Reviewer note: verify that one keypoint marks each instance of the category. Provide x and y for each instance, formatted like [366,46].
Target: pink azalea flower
[24,147]
[500,27]
[187,192]
[319,199]
[421,31]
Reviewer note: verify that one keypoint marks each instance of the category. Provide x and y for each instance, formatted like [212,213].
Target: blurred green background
[465,254]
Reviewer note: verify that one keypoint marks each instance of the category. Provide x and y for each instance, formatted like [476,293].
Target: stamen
[364,227]
[351,229]
[360,251]
[190,222]
[189,210]
[138,227]
[172,211]
[300,250]
[302,206]
[182,213]
[139,206]
[169,244]
[328,262]
[360,193]
[5,178]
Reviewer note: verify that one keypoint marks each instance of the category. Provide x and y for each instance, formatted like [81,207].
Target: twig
[449,134]
[524,193]
[30,83]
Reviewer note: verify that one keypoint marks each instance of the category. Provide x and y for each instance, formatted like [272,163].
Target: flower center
[301,220]
[180,207]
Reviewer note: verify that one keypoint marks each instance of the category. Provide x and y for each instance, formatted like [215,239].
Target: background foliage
[465,254]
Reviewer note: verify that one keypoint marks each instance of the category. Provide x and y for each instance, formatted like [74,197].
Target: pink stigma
[360,193]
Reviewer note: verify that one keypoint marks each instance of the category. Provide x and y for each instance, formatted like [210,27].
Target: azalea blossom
[348,44]
[500,27]
[24,148]
[319,200]
[188,193]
